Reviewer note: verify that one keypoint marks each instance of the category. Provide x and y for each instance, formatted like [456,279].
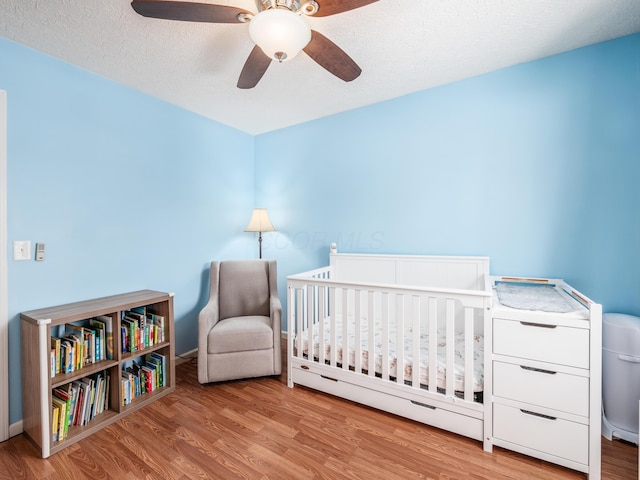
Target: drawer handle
[541,325]
[535,414]
[329,378]
[540,370]
[423,405]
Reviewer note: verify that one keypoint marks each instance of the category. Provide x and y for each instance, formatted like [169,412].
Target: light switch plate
[22,250]
[39,251]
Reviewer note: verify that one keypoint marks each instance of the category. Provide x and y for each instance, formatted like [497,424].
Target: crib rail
[363,328]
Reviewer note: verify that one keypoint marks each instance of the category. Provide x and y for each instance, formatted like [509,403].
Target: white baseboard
[15,429]
[186,356]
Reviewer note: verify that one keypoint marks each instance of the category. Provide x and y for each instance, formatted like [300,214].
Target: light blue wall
[537,166]
[126,191]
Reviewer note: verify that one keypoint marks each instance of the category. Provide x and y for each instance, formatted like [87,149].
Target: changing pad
[545,298]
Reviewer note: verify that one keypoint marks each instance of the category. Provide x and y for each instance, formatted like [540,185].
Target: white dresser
[544,383]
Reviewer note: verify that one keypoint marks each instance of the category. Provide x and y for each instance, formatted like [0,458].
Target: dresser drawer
[555,344]
[547,388]
[561,438]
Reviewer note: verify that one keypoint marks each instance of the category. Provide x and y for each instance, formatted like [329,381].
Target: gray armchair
[239,327]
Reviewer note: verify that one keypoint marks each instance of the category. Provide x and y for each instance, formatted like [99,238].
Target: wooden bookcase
[37,383]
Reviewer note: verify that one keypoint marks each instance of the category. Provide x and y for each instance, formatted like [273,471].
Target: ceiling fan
[278,30]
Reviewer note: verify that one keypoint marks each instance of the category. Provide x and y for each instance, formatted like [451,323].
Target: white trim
[186,356]
[4,296]
[16,428]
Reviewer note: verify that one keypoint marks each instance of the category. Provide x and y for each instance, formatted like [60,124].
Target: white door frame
[4,277]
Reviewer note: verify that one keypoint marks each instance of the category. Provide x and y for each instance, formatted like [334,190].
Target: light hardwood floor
[261,429]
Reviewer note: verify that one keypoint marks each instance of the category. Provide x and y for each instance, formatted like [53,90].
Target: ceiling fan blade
[254,68]
[188,11]
[331,7]
[331,57]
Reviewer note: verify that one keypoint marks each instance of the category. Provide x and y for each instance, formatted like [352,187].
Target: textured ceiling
[402,47]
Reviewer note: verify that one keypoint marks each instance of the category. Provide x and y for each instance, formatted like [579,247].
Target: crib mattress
[407,368]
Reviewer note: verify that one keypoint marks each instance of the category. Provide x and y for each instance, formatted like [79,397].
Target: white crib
[400,333]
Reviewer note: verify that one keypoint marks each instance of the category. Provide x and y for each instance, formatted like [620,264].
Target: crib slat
[417,317]
[357,350]
[433,344]
[332,329]
[322,318]
[468,354]
[309,320]
[450,346]
[299,324]
[371,342]
[399,340]
[385,336]
[345,328]
[291,318]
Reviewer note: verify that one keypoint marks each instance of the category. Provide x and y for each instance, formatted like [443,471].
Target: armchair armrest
[207,318]
[209,315]
[275,311]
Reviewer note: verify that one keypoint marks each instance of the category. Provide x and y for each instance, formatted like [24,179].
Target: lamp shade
[280,33]
[260,221]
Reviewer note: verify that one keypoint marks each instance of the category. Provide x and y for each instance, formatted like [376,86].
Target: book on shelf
[91,346]
[160,362]
[107,321]
[136,386]
[129,342]
[99,400]
[143,375]
[104,335]
[78,344]
[77,333]
[76,402]
[139,310]
[157,321]
[85,385]
[56,360]
[65,394]
[139,322]
[144,329]
[91,395]
[147,373]
[55,419]
[67,355]
[126,382]
[61,406]
[90,343]
[52,363]
[79,395]
[99,335]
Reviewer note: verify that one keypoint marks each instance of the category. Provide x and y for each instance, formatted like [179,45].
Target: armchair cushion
[240,334]
[244,289]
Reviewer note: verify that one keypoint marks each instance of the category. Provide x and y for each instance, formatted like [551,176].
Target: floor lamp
[260,223]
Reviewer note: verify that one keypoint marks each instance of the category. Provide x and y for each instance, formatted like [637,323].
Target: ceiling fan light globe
[280,33]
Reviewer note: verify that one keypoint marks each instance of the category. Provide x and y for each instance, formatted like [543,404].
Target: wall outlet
[22,250]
